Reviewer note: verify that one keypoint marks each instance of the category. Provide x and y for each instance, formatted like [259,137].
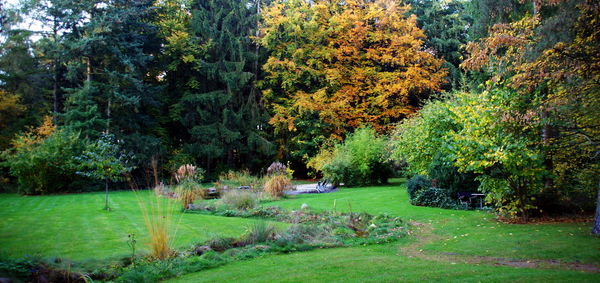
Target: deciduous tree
[339,65]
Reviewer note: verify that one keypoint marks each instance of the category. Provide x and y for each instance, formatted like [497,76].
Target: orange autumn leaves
[353,62]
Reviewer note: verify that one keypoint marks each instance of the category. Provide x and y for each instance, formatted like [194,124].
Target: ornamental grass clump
[188,176]
[259,232]
[240,199]
[157,214]
[276,185]
[277,168]
[159,189]
[187,192]
[188,172]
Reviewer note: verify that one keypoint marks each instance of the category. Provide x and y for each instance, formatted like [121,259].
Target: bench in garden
[467,198]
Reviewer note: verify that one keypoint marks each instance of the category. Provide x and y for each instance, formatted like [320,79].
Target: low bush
[360,160]
[433,197]
[449,178]
[421,193]
[276,185]
[47,165]
[239,199]
[339,170]
[298,234]
[219,243]
[415,184]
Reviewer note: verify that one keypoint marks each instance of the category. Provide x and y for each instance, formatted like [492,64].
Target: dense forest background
[238,84]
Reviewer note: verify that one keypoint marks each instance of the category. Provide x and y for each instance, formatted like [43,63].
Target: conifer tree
[446,25]
[212,61]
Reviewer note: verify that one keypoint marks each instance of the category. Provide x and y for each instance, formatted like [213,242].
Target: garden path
[424,235]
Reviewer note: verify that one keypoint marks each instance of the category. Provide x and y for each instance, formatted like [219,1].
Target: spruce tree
[446,26]
[215,99]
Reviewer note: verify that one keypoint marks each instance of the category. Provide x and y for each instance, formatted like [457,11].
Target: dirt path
[424,235]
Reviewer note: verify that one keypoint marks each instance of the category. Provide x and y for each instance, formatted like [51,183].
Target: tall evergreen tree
[213,67]
[446,25]
[23,80]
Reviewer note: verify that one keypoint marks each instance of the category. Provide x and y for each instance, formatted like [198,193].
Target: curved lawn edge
[381,263]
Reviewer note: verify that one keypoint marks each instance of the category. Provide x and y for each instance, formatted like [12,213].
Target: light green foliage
[48,166]
[418,139]
[505,152]
[487,134]
[360,160]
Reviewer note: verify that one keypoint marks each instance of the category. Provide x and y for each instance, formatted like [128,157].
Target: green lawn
[466,232]
[381,263]
[75,226]
[463,246]
[446,245]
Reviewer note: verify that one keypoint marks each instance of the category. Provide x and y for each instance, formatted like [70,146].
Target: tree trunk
[108,116]
[154,164]
[596,228]
[548,134]
[106,199]
[257,44]
[55,63]
[88,69]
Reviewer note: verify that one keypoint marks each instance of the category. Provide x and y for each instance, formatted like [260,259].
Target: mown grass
[382,263]
[465,232]
[75,226]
